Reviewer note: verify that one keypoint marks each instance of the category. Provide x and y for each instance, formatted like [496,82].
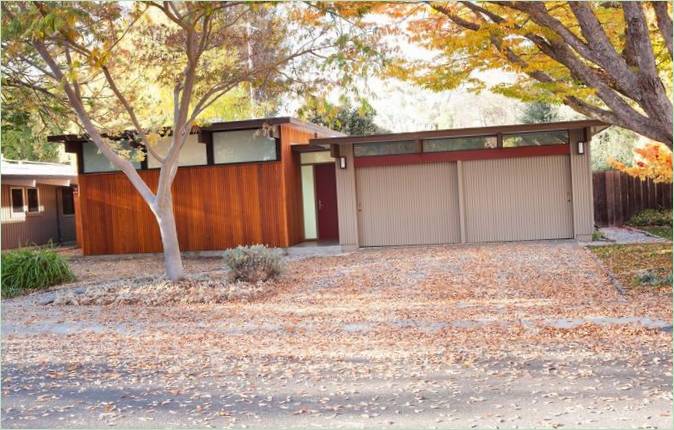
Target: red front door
[326,201]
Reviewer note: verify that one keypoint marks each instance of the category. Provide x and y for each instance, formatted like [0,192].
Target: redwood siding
[292,135]
[216,207]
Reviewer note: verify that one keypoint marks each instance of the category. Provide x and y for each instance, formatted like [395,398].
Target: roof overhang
[311,147]
[463,132]
[33,181]
[248,124]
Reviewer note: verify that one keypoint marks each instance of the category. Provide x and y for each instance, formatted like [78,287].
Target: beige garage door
[518,199]
[408,205]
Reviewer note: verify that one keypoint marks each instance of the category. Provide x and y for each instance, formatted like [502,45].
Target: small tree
[346,118]
[538,112]
[98,58]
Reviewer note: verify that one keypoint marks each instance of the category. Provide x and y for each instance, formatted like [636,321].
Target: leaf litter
[287,359]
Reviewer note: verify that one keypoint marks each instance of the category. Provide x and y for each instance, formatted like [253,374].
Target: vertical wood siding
[581,182]
[216,207]
[408,205]
[291,135]
[35,229]
[518,199]
[346,200]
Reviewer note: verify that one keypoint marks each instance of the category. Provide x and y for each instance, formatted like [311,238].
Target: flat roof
[228,125]
[462,132]
[36,169]
[257,122]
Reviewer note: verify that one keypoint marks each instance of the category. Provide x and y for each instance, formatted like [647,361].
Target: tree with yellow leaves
[610,61]
[105,62]
[652,161]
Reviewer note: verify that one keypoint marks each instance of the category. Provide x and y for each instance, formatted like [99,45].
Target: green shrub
[649,277]
[597,235]
[32,269]
[652,217]
[254,263]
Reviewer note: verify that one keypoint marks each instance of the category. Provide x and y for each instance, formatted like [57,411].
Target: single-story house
[301,182]
[38,203]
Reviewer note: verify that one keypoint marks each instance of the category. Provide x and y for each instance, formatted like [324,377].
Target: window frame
[11,201]
[504,136]
[37,194]
[277,148]
[485,136]
[415,142]
[83,165]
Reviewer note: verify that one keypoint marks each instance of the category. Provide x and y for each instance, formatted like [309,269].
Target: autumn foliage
[652,161]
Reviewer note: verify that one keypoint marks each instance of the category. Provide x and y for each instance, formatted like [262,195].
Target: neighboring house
[37,203]
[236,186]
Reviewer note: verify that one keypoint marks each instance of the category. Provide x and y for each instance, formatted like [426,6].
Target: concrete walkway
[625,236]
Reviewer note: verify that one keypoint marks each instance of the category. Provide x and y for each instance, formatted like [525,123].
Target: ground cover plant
[30,269]
[657,222]
[639,265]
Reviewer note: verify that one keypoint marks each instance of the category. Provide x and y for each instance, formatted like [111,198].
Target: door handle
[320,205]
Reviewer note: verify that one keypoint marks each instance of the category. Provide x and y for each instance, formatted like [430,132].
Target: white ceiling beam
[56,182]
[15,182]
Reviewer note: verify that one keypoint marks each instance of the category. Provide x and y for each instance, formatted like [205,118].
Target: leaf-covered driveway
[504,335]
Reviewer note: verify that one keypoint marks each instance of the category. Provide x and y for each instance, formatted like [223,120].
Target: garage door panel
[409,204]
[518,199]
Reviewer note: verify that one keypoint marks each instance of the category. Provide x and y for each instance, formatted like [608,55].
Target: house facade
[489,184]
[298,182]
[38,203]
[235,185]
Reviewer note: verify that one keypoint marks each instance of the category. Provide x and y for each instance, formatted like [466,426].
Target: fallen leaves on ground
[445,336]
[626,262]
[204,288]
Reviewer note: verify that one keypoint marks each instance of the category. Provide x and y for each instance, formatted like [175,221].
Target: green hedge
[652,217]
[24,270]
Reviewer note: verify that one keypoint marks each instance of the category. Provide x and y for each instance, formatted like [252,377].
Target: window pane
[94,161]
[536,139]
[385,148]
[17,200]
[33,204]
[193,153]
[460,143]
[242,146]
[316,157]
[68,202]
[309,202]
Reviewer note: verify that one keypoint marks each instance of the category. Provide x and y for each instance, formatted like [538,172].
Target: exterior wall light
[342,162]
[581,147]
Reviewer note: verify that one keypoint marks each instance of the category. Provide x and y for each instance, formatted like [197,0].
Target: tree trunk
[169,239]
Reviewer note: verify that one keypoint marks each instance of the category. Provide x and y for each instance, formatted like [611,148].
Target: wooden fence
[618,196]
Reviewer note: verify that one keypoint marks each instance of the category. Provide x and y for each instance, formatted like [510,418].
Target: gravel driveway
[494,336]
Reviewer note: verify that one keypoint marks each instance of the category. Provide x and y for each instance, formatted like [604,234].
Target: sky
[402,106]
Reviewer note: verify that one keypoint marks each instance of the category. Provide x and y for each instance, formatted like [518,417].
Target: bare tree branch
[664,23]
